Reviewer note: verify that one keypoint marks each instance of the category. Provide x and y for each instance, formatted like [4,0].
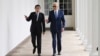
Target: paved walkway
[71,46]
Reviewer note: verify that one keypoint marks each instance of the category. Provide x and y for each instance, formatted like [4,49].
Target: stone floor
[71,46]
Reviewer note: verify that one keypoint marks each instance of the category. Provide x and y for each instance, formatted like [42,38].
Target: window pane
[45,0]
[65,0]
[65,12]
[69,6]
[55,0]
[50,1]
[61,6]
[46,12]
[69,12]
[69,0]
[48,5]
[66,5]
[61,1]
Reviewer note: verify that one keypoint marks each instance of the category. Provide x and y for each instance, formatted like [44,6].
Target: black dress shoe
[39,54]
[59,53]
[34,50]
[54,54]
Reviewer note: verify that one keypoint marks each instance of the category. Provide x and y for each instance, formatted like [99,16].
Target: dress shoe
[59,53]
[39,54]
[34,50]
[54,54]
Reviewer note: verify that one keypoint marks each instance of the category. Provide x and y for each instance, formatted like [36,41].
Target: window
[66,6]
[48,5]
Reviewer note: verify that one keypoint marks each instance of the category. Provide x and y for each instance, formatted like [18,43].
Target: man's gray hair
[56,3]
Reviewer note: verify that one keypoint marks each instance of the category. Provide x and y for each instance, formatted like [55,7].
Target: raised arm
[28,18]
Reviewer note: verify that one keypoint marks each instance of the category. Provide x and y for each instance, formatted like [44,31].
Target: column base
[93,54]
[88,48]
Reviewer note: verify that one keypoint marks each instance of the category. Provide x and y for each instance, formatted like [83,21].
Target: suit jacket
[56,23]
[37,26]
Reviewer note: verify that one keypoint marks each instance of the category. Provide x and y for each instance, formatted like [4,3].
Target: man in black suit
[37,27]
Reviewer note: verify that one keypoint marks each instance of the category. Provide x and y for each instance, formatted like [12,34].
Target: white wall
[13,27]
[3,28]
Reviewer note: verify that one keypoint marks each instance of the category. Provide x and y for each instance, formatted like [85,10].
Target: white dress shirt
[56,13]
[37,13]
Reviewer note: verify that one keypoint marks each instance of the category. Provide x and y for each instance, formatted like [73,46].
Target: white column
[89,25]
[95,28]
[3,27]
[76,15]
[99,28]
[84,16]
[79,18]
[82,20]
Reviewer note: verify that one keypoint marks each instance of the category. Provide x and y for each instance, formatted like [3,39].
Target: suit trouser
[38,37]
[56,37]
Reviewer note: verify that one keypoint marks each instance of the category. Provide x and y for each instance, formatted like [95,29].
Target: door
[68,6]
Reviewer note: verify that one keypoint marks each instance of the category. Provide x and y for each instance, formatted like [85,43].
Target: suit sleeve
[49,18]
[30,17]
[63,20]
[43,23]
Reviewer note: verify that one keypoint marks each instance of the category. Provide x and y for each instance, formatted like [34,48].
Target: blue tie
[56,14]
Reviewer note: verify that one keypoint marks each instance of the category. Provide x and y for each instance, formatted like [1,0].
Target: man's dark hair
[37,5]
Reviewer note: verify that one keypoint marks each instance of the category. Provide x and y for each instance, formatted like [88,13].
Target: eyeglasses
[54,6]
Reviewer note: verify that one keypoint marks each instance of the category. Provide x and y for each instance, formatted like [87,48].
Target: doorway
[68,6]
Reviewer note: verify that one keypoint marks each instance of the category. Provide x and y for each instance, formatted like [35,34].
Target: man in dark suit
[56,17]
[37,27]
